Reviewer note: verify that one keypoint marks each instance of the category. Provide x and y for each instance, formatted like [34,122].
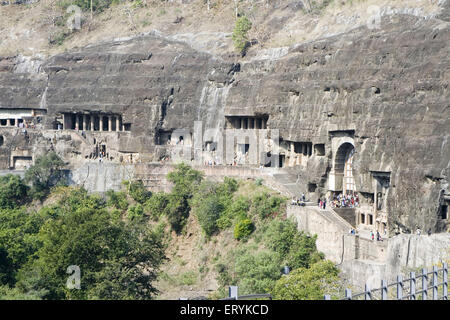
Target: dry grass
[27,29]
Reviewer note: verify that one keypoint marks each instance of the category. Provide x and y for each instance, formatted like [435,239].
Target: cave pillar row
[92,122]
[77,124]
[109,123]
[84,121]
[292,157]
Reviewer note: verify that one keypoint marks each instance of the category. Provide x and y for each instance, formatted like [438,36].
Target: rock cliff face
[382,91]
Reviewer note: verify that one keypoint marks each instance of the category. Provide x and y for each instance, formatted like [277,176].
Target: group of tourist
[300,201]
[322,203]
[378,235]
[345,201]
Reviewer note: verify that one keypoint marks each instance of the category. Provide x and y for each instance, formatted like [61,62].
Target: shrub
[265,204]
[212,202]
[13,191]
[85,5]
[224,278]
[156,205]
[208,213]
[308,284]
[279,235]
[117,199]
[135,212]
[186,181]
[257,273]
[177,211]
[236,210]
[240,37]
[243,229]
[44,174]
[297,249]
[137,191]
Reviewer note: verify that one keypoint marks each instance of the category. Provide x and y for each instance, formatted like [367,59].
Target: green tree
[136,212]
[186,181]
[117,199]
[297,249]
[308,283]
[243,229]
[18,239]
[13,191]
[7,293]
[156,205]
[240,34]
[87,235]
[44,174]
[265,205]
[257,272]
[137,191]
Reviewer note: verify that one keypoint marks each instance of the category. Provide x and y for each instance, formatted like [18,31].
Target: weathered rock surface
[386,87]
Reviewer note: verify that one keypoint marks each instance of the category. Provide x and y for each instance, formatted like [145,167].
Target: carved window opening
[282,161]
[304,148]
[444,212]
[370,219]
[246,122]
[312,187]
[319,149]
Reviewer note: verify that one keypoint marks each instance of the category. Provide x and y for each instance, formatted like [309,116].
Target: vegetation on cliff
[119,241]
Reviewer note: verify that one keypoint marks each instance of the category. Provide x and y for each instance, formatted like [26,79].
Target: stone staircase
[288,183]
[334,218]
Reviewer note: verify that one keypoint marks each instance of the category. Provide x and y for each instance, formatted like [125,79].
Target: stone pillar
[100,123]
[109,123]
[242,123]
[117,123]
[307,149]
[16,123]
[293,156]
[8,122]
[92,122]
[84,122]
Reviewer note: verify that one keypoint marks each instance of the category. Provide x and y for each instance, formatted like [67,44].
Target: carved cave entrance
[344,168]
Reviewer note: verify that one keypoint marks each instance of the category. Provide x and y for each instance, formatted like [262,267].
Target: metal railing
[416,287]
[233,295]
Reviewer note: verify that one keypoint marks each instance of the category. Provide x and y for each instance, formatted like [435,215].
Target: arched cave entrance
[343,168]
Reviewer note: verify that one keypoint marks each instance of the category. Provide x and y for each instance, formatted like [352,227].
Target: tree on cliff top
[240,34]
